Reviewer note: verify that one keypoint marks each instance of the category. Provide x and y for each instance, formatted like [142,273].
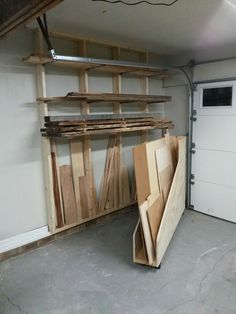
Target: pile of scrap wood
[81,125]
[160,171]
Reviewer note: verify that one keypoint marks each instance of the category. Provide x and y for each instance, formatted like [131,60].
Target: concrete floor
[92,272]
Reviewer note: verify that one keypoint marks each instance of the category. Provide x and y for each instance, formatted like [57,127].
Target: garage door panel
[215,132]
[215,167]
[215,200]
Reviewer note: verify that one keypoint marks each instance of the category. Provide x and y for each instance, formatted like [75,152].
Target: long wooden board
[77,162]
[68,194]
[56,190]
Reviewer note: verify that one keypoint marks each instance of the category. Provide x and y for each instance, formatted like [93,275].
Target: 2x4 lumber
[118,192]
[109,97]
[45,142]
[77,162]
[68,194]
[88,167]
[144,82]
[86,65]
[56,190]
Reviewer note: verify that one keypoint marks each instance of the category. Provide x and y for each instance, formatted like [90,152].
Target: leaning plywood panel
[175,204]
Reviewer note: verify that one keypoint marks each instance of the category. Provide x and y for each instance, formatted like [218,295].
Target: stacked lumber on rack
[160,171]
[82,125]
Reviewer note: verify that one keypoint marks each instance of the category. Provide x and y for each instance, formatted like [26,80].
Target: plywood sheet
[175,205]
[155,213]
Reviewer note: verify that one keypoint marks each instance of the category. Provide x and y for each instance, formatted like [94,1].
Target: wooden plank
[77,162]
[68,194]
[141,173]
[108,97]
[144,82]
[88,167]
[17,13]
[103,117]
[56,190]
[118,191]
[175,204]
[45,142]
[126,187]
[78,134]
[85,205]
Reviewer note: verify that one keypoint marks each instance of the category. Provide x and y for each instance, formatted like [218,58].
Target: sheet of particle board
[68,194]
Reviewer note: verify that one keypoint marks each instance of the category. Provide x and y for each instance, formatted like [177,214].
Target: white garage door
[214,161]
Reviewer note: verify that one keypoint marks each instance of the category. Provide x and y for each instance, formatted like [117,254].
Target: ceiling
[187,25]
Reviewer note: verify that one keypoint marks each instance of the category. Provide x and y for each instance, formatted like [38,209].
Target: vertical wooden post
[87,152]
[45,142]
[118,190]
[144,84]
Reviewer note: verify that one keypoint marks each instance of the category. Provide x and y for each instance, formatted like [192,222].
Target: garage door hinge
[193,116]
[192,177]
[192,148]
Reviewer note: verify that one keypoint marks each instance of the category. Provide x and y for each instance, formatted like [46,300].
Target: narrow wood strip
[56,191]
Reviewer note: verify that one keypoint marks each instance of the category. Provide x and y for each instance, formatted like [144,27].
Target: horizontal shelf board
[82,65]
[78,134]
[105,117]
[107,97]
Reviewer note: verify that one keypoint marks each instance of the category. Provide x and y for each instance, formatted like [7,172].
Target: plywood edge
[175,205]
[139,251]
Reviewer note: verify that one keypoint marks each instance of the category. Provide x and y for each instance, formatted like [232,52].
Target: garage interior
[118,156]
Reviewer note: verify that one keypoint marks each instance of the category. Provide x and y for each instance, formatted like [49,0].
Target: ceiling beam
[16,13]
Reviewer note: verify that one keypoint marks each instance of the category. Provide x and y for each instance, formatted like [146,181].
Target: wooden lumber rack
[71,195]
[87,64]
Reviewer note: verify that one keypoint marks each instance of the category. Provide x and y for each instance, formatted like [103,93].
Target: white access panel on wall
[214,160]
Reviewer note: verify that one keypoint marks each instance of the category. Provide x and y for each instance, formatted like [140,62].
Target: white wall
[22,206]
